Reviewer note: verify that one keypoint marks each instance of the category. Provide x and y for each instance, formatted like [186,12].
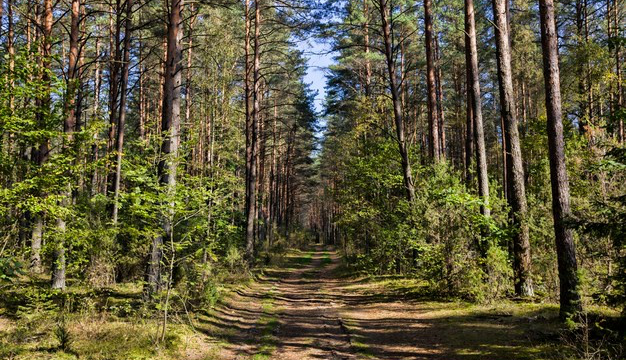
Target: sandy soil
[305,311]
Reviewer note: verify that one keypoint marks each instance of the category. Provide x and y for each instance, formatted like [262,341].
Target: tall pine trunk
[619,91]
[121,119]
[249,206]
[433,122]
[40,152]
[58,255]
[440,107]
[514,165]
[251,150]
[477,119]
[566,252]
[170,127]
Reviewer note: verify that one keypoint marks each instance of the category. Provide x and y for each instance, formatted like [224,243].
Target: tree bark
[474,89]
[566,253]
[41,150]
[366,41]
[114,88]
[170,127]
[618,71]
[515,169]
[69,125]
[580,68]
[440,108]
[433,125]
[121,119]
[188,102]
[96,102]
[469,119]
[11,51]
[251,151]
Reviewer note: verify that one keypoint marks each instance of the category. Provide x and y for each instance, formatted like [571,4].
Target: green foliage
[10,269]
[62,334]
[608,221]
[437,238]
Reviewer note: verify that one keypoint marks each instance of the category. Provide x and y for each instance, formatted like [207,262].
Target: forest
[173,184]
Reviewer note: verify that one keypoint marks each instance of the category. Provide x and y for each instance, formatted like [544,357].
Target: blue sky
[318,61]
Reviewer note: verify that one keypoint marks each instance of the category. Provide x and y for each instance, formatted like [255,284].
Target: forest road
[305,309]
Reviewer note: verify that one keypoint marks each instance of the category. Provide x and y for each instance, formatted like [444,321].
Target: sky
[319,59]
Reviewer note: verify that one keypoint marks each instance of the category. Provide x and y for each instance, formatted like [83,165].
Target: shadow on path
[303,310]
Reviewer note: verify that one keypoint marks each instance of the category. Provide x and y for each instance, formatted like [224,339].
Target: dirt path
[303,311]
[311,326]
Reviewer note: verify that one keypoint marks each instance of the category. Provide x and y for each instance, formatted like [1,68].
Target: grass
[304,259]
[84,323]
[268,323]
[503,329]
[357,341]
[101,337]
[326,259]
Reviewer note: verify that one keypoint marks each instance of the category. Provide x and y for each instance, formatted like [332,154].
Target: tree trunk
[41,151]
[433,125]
[366,41]
[515,169]
[170,127]
[119,138]
[35,246]
[505,151]
[397,108]
[96,102]
[189,62]
[469,121]
[474,89]
[11,51]
[58,255]
[580,68]
[251,151]
[566,253]
[619,95]
[440,108]
[114,83]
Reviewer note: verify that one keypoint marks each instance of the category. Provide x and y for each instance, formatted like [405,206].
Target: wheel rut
[307,308]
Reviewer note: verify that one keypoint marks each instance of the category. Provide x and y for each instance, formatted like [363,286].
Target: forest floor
[307,310]
[304,308]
